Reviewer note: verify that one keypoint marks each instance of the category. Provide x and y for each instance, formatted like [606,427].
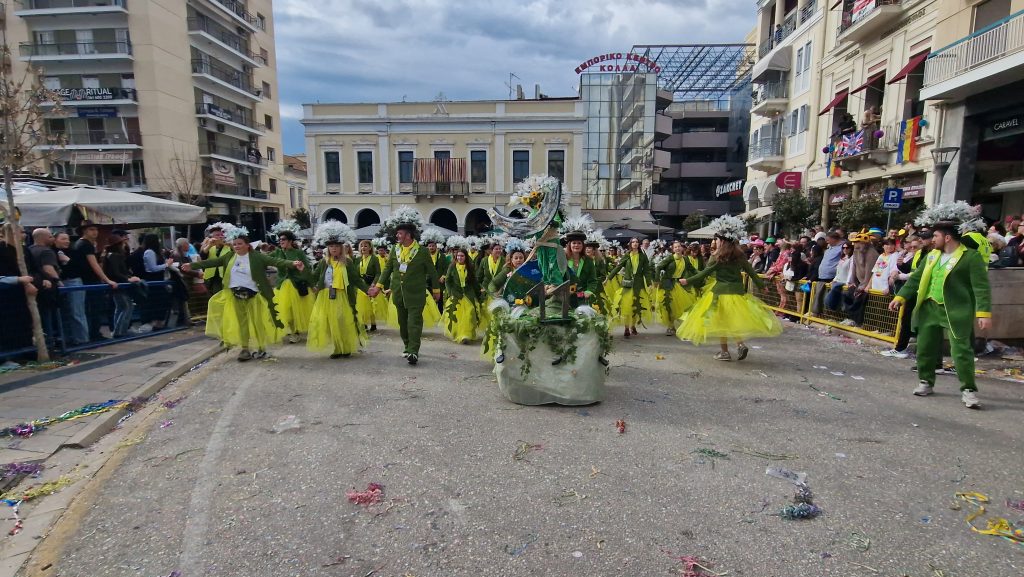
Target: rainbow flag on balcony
[835,151]
[906,148]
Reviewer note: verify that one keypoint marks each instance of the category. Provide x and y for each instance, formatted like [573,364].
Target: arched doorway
[752,199]
[445,218]
[366,217]
[334,214]
[477,221]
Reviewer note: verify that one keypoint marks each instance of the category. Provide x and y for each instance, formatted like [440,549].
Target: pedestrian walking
[333,325]
[673,298]
[634,302]
[293,297]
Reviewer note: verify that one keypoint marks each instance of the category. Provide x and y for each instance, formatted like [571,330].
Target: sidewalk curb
[105,422]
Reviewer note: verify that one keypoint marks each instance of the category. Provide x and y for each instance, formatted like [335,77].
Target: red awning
[915,61]
[840,96]
[870,81]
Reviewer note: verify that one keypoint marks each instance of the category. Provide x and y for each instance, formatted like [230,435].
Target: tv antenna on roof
[511,87]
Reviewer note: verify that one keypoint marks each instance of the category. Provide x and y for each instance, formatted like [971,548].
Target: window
[797,122]
[405,163]
[266,91]
[364,161]
[51,83]
[261,21]
[989,12]
[520,165]
[802,70]
[268,121]
[291,195]
[271,154]
[332,167]
[556,164]
[127,81]
[264,56]
[478,166]
[273,186]
[90,82]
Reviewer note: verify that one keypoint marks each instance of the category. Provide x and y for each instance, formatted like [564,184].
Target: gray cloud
[351,51]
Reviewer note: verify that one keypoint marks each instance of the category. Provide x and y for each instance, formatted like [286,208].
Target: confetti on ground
[50,487]
[166,424]
[14,469]
[621,426]
[1016,505]
[838,373]
[857,377]
[799,511]
[35,366]
[523,449]
[694,566]
[25,430]
[520,549]
[659,357]
[822,393]
[860,542]
[371,496]
[170,404]
[132,441]
[764,455]
[787,475]
[996,526]
[821,367]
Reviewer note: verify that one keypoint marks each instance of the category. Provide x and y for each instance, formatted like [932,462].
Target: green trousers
[931,322]
[410,326]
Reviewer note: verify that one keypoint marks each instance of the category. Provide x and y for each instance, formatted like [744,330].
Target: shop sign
[78,94]
[861,8]
[214,110]
[97,112]
[789,180]
[117,157]
[837,198]
[618,62]
[223,172]
[734,188]
[912,187]
[1003,127]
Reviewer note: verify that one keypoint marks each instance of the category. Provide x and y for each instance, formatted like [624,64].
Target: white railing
[998,41]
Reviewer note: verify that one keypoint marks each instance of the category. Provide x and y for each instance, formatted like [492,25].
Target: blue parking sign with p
[892,199]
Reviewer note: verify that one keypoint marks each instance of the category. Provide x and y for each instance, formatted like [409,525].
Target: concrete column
[384,153]
[499,162]
[855,190]
[780,13]
[824,208]
[313,183]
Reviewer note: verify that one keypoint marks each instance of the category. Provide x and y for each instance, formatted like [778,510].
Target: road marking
[198,520]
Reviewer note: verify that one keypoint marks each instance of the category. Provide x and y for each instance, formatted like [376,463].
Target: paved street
[474,485]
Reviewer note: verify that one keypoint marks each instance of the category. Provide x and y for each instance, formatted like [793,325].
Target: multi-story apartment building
[160,93]
[975,74]
[838,98]
[295,179]
[454,161]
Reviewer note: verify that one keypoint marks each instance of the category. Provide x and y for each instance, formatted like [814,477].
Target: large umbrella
[623,234]
[68,205]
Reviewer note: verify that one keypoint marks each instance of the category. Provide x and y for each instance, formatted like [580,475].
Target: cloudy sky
[387,50]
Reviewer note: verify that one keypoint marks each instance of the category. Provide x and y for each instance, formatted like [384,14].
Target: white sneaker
[848,323]
[146,328]
[970,400]
[923,389]
[893,353]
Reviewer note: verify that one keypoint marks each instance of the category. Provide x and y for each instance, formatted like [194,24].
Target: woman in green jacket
[292,296]
[727,310]
[333,326]
[634,304]
[671,298]
[462,316]
[369,268]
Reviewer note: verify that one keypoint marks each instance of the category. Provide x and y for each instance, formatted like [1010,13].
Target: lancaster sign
[734,188]
[618,62]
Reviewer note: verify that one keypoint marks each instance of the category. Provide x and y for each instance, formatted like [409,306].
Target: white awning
[779,59]
[758,213]
[704,232]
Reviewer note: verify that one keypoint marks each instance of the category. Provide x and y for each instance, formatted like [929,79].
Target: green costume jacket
[497,284]
[586,276]
[442,264]
[410,287]
[372,269]
[355,281]
[258,263]
[728,276]
[454,288]
[638,279]
[293,275]
[665,271]
[600,270]
[483,270]
[966,293]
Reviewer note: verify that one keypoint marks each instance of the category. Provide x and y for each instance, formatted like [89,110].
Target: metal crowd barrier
[879,322]
[89,316]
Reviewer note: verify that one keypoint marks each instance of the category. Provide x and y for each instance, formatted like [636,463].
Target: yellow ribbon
[996,526]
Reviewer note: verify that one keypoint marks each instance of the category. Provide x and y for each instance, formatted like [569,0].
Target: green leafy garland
[527,330]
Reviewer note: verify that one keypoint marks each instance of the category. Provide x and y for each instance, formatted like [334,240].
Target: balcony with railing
[225,39]
[770,98]
[991,57]
[808,11]
[79,96]
[96,139]
[440,177]
[238,12]
[864,23]
[219,114]
[250,156]
[225,75]
[765,154]
[75,50]
[30,8]
[779,34]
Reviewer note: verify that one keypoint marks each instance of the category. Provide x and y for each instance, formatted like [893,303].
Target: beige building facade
[453,161]
[168,97]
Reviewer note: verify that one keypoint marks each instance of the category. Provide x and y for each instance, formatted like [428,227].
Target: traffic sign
[892,199]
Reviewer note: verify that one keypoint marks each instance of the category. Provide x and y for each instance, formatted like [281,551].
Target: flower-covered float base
[541,363]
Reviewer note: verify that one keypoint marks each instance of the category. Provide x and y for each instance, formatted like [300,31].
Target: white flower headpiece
[577,225]
[729,227]
[432,234]
[223,226]
[333,231]
[473,242]
[234,232]
[967,217]
[532,191]
[287,225]
[456,241]
[403,215]
[517,244]
[380,242]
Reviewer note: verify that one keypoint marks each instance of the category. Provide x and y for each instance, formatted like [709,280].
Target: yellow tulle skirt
[370,310]
[293,309]
[612,294]
[431,316]
[737,317]
[332,327]
[681,300]
[634,307]
[241,323]
[465,323]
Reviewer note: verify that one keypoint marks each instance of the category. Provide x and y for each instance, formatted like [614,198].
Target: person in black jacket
[115,266]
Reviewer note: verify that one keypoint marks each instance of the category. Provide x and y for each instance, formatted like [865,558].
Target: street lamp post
[942,158]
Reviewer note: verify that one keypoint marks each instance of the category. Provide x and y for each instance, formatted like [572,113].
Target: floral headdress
[222,226]
[380,242]
[473,242]
[517,244]
[334,232]
[432,234]
[729,227]
[456,241]
[287,225]
[596,238]
[965,217]
[576,227]
[532,191]
[230,234]
[403,217]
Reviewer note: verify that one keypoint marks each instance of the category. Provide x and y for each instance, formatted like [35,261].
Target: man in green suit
[952,290]
[407,274]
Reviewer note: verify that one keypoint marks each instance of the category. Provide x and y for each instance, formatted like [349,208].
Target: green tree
[794,211]
[692,222]
[301,216]
[864,211]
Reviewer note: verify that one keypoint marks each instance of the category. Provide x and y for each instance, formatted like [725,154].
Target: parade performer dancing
[244,314]
[952,290]
[434,239]
[408,274]
[517,250]
[463,315]
[214,247]
[292,296]
[634,300]
[574,232]
[593,246]
[369,268]
[727,310]
[673,299]
[333,326]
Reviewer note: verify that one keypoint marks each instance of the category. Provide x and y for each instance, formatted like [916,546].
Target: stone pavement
[119,371]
